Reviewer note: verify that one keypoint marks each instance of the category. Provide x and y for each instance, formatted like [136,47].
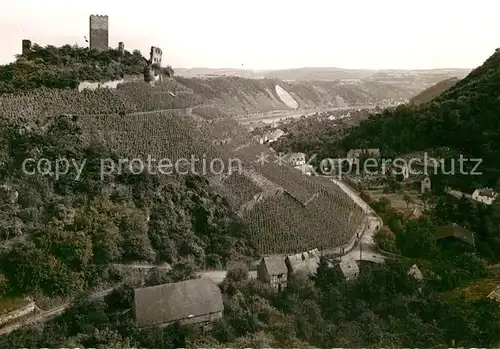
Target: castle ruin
[155,55]
[26,47]
[99,34]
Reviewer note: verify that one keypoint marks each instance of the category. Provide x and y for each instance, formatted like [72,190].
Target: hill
[319,73]
[231,91]
[434,91]
[410,81]
[463,119]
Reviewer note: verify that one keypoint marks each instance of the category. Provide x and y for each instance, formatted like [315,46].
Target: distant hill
[324,73]
[462,120]
[434,91]
[410,81]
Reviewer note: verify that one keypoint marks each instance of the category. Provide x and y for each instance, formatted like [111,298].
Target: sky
[270,34]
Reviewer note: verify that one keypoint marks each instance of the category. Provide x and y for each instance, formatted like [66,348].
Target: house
[296,159]
[306,263]
[272,270]
[271,136]
[348,268]
[192,301]
[305,169]
[485,196]
[415,272]
[353,155]
[425,185]
[416,165]
[455,231]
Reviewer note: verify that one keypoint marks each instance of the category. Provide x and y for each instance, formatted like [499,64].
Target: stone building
[155,55]
[26,47]
[192,301]
[99,34]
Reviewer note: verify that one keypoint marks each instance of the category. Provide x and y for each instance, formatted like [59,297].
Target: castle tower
[26,47]
[121,47]
[155,55]
[99,35]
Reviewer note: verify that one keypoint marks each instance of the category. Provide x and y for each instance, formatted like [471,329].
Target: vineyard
[282,225]
[239,189]
[284,210]
[130,97]
[164,134]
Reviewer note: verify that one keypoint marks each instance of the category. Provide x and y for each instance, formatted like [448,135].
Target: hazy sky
[270,34]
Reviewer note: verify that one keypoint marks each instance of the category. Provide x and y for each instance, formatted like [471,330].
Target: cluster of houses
[416,167]
[270,136]
[276,270]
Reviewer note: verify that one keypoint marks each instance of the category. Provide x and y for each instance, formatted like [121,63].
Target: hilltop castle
[99,32]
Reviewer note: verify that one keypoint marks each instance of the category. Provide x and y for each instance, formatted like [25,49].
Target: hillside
[62,236]
[238,92]
[463,118]
[434,91]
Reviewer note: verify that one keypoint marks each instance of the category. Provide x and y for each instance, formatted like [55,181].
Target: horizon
[359,35]
[310,67]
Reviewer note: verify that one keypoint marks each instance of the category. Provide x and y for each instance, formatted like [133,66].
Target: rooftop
[167,303]
[457,231]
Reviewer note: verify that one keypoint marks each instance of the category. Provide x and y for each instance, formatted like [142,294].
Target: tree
[417,238]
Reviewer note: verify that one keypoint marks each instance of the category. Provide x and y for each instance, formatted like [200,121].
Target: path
[216,275]
[366,248]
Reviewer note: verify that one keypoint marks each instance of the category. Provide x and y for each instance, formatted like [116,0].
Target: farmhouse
[192,301]
[306,263]
[485,196]
[455,231]
[272,270]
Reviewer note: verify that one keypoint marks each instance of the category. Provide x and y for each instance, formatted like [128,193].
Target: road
[366,249]
[216,275]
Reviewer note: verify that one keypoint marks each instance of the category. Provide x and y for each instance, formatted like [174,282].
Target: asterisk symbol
[262,159]
[281,159]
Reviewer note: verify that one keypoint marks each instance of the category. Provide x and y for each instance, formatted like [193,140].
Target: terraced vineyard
[283,225]
[239,189]
[166,134]
[285,210]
